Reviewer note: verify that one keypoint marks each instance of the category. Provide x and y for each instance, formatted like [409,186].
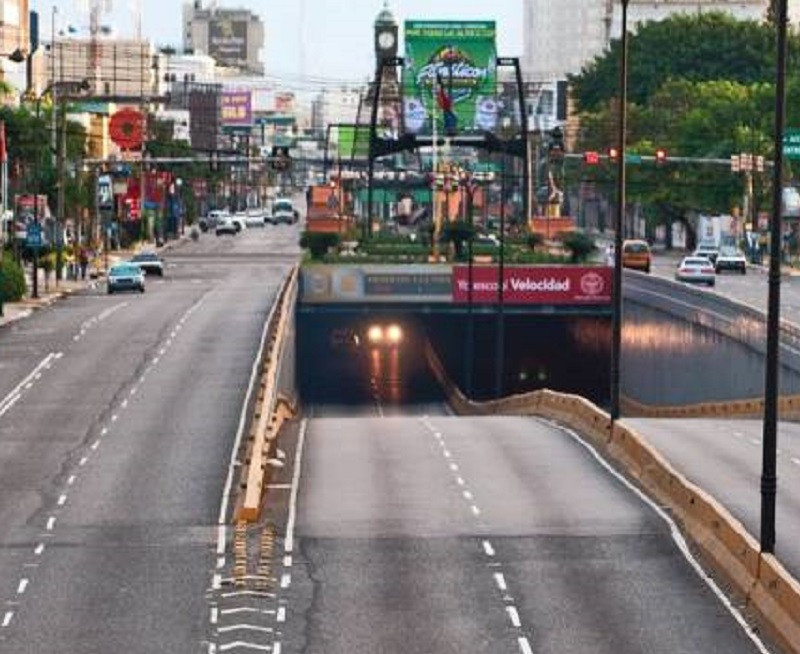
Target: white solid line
[454,467]
[475,510]
[286,580]
[214,615]
[245,627]
[276,649]
[500,580]
[71,480]
[460,481]
[23,584]
[279,486]
[96,444]
[246,609]
[10,397]
[243,417]
[524,645]
[39,549]
[467,495]
[28,386]
[487,547]
[247,593]
[58,355]
[83,461]
[513,615]
[9,404]
[62,500]
[239,643]
[51,522]
[7,618]
[281,614]
[677,536]
[288,543]
[287,561]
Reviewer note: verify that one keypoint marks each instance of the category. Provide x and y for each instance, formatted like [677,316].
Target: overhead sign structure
[237,108]
[450,64]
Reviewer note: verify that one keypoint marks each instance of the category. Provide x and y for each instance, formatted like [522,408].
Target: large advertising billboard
[227,40]
[458,60]
[237,108]
[353,141]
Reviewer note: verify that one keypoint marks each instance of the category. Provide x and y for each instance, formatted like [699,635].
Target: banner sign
[237,109]
[420,283]
[227,40]
[535,284]
[450,70]
[353,141]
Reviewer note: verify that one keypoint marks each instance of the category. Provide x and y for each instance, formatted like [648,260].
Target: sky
[337,33]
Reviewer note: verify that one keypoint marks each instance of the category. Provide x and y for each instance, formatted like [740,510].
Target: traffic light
[591,158]
[613,154]
[661,156]
[556,145]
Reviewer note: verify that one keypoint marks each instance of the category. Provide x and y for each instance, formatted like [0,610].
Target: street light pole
[616,317]
[769,472]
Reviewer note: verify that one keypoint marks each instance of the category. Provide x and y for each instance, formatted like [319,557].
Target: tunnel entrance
[361,356]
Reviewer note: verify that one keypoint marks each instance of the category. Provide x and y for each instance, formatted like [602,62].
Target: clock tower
[387,47]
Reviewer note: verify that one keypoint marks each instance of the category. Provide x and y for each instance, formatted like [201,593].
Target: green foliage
[458,233]
[12,279]
[580,246]
[534,240]
[318,243]
[697,48]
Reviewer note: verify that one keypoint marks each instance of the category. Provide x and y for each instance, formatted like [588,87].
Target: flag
[445,103]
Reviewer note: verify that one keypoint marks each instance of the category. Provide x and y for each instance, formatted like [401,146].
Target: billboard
[353,141]
[458,59]
[227,40]
[237,108]
[535,284]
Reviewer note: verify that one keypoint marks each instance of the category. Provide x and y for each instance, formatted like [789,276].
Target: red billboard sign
[535,284]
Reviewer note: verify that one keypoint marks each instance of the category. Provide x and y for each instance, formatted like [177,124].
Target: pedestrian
[84,260]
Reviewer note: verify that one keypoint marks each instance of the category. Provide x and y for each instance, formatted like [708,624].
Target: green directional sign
[791,143]
[634,159]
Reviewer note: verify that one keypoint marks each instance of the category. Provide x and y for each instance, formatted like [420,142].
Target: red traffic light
[591,158]
[661,156]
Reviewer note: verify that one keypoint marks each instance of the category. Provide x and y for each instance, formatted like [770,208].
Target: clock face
[385,40]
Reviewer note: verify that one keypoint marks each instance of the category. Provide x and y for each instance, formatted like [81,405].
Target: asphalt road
[476,535]
[117,418]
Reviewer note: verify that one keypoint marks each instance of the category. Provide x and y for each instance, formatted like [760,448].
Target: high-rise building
[562,37]
[234,38]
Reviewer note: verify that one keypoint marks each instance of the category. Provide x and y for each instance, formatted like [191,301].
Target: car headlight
[394,334]
[375,334]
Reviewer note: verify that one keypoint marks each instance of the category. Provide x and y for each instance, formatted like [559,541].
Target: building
[14,38]
[337,105]
[562,37]
[234,38]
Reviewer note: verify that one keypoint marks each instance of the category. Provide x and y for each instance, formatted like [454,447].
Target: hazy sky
[337,34]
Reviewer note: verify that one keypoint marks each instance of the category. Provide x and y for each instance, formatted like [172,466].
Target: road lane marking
[454,467]
[51,522]
[447,454]
[114,418]
[216,581]
[288,543]
[96,444]
[214,615]
[277,648]
[62,500]
[524,645]
[245,645]
[104,431]
[513,615]
[23,585]
[475,510]
[7,406]
[7,618]
[11,398]
[39,549]
[71,480]
[500,580]
[796,461]
[247,593]
[467,495]
[83,461]
[460,481]
[124,404]
[246,609]
[677,536]
[245,627]
[281,617]
[287,561]
[286,580]
[487,547]
[755,441]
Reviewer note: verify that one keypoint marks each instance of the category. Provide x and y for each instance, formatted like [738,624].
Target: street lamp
[616,317]
[769,476]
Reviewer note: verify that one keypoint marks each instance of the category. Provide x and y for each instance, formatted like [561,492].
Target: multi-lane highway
[117,419]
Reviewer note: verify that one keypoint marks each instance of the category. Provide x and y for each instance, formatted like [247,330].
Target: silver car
[696,269]
[125,277]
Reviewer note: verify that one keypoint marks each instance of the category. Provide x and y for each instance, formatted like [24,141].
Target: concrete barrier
[771,593]
[272,410]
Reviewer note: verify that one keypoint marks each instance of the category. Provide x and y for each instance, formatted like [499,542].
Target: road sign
[791,143]
[633,159]
[33,238]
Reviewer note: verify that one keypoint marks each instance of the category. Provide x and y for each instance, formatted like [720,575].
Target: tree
[708,46]
[580,246]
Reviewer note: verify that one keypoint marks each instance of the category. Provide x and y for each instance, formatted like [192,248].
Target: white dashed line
[83,461]
[220,562]
[51,522]
[467,495]
[124,404]
[28,386]
[114,418]
[276,648]
[487,548]
[156,360]
[71,480]
[39,549]
[216,581]
[62,500]
[513,615]
[214,615]
[475,510]
[162,351]
[76,338]
[245,627]
[500,580]
[23,585]
[286,580]
[281,614]
[460,481]
[96,444]
[104,431]
[524,645]
[454,467]
[287,561]
[447,454]
[134,390]
[7,618]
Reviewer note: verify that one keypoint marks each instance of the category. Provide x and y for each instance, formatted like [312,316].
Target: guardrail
[271,409]
[770,591]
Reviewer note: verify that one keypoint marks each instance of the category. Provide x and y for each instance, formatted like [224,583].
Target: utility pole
[61,197]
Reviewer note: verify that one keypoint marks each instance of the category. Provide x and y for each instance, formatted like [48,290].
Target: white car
[696,269]
[707,250]
[226,225]
[254,218]
[283,211]
[731,258]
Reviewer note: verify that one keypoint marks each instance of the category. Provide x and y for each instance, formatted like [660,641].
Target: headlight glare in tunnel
[394,334]
[375,334]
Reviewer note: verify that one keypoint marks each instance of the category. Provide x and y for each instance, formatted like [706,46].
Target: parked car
[149,262]
[696,269]
[708,250]
[213,217]
[225,225]
[636,255]
[731,258]
[125,277]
